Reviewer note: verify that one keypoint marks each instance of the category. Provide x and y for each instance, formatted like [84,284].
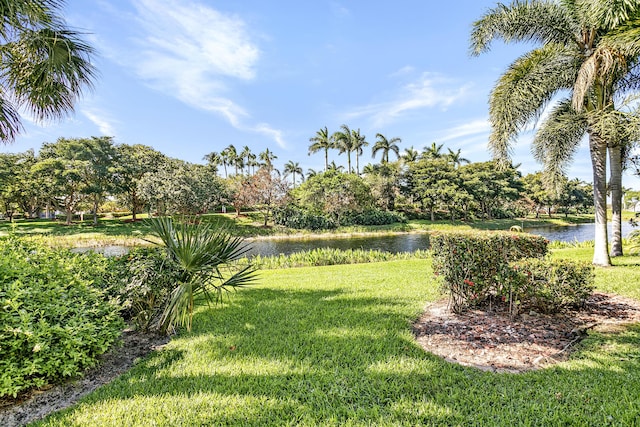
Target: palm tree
[359,142]
[456,158]
[246,156]
[229,156]
[322,141]
[344,142]
[44,65]
[213,160]
[386,146]
[291,168]
[588,48]
[334,167]
[267,158]
[202,255]
[311,173]
[410,155]
[433,151]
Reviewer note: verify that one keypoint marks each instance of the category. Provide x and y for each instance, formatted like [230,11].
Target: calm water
[395,243]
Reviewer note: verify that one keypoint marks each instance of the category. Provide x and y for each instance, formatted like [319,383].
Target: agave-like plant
[204,256]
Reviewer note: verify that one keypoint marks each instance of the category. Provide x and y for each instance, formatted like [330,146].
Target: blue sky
[188,77]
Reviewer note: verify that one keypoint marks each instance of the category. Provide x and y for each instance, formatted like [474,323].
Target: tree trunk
[95,210]
[615,186]
[598,150]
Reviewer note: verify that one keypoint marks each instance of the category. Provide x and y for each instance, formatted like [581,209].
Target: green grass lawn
[332,346]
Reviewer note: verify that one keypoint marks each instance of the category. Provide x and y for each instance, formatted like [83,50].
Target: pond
[391,243]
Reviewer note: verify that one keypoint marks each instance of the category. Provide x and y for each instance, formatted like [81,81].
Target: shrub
[54,321]
[301,219]
[471,263]
[144,278]
[373,217]
[548,285]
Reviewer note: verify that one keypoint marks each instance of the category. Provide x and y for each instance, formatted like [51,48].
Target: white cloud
[274,134]
[476,128]
[101,120]
[196,54]
[429,91]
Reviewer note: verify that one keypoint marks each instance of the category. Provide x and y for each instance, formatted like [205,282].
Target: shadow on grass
[331,357]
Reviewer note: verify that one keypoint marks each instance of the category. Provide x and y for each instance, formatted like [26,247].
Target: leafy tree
[536,193]
[432,182]
[588,48]
[491,187]
[383,179]
[44,64]
[132,163]
[334,193]
[64,163]
[9,173]
[100,153]
[322,141]
[266,191]
[386,146]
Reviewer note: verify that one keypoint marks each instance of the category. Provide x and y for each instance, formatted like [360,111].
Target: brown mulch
[491,341]
[38,403]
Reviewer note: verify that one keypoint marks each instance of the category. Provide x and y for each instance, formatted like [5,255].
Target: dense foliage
[474,265]
[55,321]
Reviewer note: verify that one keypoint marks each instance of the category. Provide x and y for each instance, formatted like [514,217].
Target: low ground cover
[333,346]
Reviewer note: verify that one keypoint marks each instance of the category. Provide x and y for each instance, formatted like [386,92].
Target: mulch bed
[491,341]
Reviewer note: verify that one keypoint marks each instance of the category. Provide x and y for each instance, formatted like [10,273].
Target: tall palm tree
[267,157]
[292,168]
[213,160]
[344,142]
[44,65]
[322,141]
[433,151]
[245,154]
[589,48]
[456,158]
[229,156]
[386,146]
[359,142]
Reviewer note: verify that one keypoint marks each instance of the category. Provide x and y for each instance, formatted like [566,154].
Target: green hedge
[548,285]
[54,320]
[472,264]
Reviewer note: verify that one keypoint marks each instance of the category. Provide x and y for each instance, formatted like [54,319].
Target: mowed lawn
[333,346]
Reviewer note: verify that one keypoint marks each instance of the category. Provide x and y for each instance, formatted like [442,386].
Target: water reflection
[391,243]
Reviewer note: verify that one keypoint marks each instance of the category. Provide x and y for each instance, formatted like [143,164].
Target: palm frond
[523,21]
[557,141]
[523,91]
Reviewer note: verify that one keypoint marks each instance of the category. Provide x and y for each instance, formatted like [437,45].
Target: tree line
[95,174]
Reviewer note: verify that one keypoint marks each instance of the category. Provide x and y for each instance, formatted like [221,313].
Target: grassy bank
[333,346]
[121,231]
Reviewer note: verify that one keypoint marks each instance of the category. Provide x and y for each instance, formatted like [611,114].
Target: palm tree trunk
[615,186]
[326,159]
[598,150]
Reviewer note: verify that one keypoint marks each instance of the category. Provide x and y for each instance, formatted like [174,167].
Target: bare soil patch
[490,340]
[38,403]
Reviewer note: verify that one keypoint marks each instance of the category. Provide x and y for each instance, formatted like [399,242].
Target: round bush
[54,322]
